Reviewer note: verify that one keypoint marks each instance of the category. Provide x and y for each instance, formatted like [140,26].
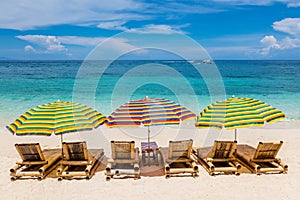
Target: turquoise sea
[105,85]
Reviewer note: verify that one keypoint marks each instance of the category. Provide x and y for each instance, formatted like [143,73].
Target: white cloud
[294,5]
[58,43]
[113,25]
[54,44]
[179,7]
[49,43]
[289,3]
[157,29]
[30,14]
[246,2]
[288,25]
[270,42]
[289,43]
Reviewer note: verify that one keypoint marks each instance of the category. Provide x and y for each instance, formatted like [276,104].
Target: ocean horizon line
[80,60]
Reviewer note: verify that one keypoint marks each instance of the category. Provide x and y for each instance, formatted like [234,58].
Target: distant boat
[207,61]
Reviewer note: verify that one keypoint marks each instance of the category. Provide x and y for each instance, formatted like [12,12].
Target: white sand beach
[245,186]
[170,68]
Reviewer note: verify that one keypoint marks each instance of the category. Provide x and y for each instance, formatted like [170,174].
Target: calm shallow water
[25,84]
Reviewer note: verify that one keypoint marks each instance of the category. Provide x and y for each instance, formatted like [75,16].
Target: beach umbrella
[235,113]
[149,112]
[56,118]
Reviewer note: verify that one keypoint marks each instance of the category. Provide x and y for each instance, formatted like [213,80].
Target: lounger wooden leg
[108,178]
[167,167]
[13,178]
[211,166]
[136,167]
[195,167]
[88,169]
[108,169]
[15,168]
[280,163]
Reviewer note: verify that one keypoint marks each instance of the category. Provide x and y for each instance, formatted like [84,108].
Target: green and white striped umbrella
[236,113]
[58,118]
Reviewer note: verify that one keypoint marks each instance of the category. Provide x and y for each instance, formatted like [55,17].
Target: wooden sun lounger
[35,162]
[78,161]
[262,159]
[179,159]
[219,159]
[124,160]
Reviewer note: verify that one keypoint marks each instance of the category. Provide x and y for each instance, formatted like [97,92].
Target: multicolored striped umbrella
[236,113]
[58,118]
[149,112]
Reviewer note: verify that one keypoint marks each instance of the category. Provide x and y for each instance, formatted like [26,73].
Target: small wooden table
[149,153]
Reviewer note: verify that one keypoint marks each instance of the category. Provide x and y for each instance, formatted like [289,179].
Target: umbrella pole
[148,144]
[61,142]
[62,151]
[148,136]
[235,133]
[61,138]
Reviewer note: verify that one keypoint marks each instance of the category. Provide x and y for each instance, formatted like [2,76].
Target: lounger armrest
[180,160]
[32,162]
[220,159]
[20,163]
[75,163]
[263,160]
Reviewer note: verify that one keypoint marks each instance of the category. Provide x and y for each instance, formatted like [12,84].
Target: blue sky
[227,29]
